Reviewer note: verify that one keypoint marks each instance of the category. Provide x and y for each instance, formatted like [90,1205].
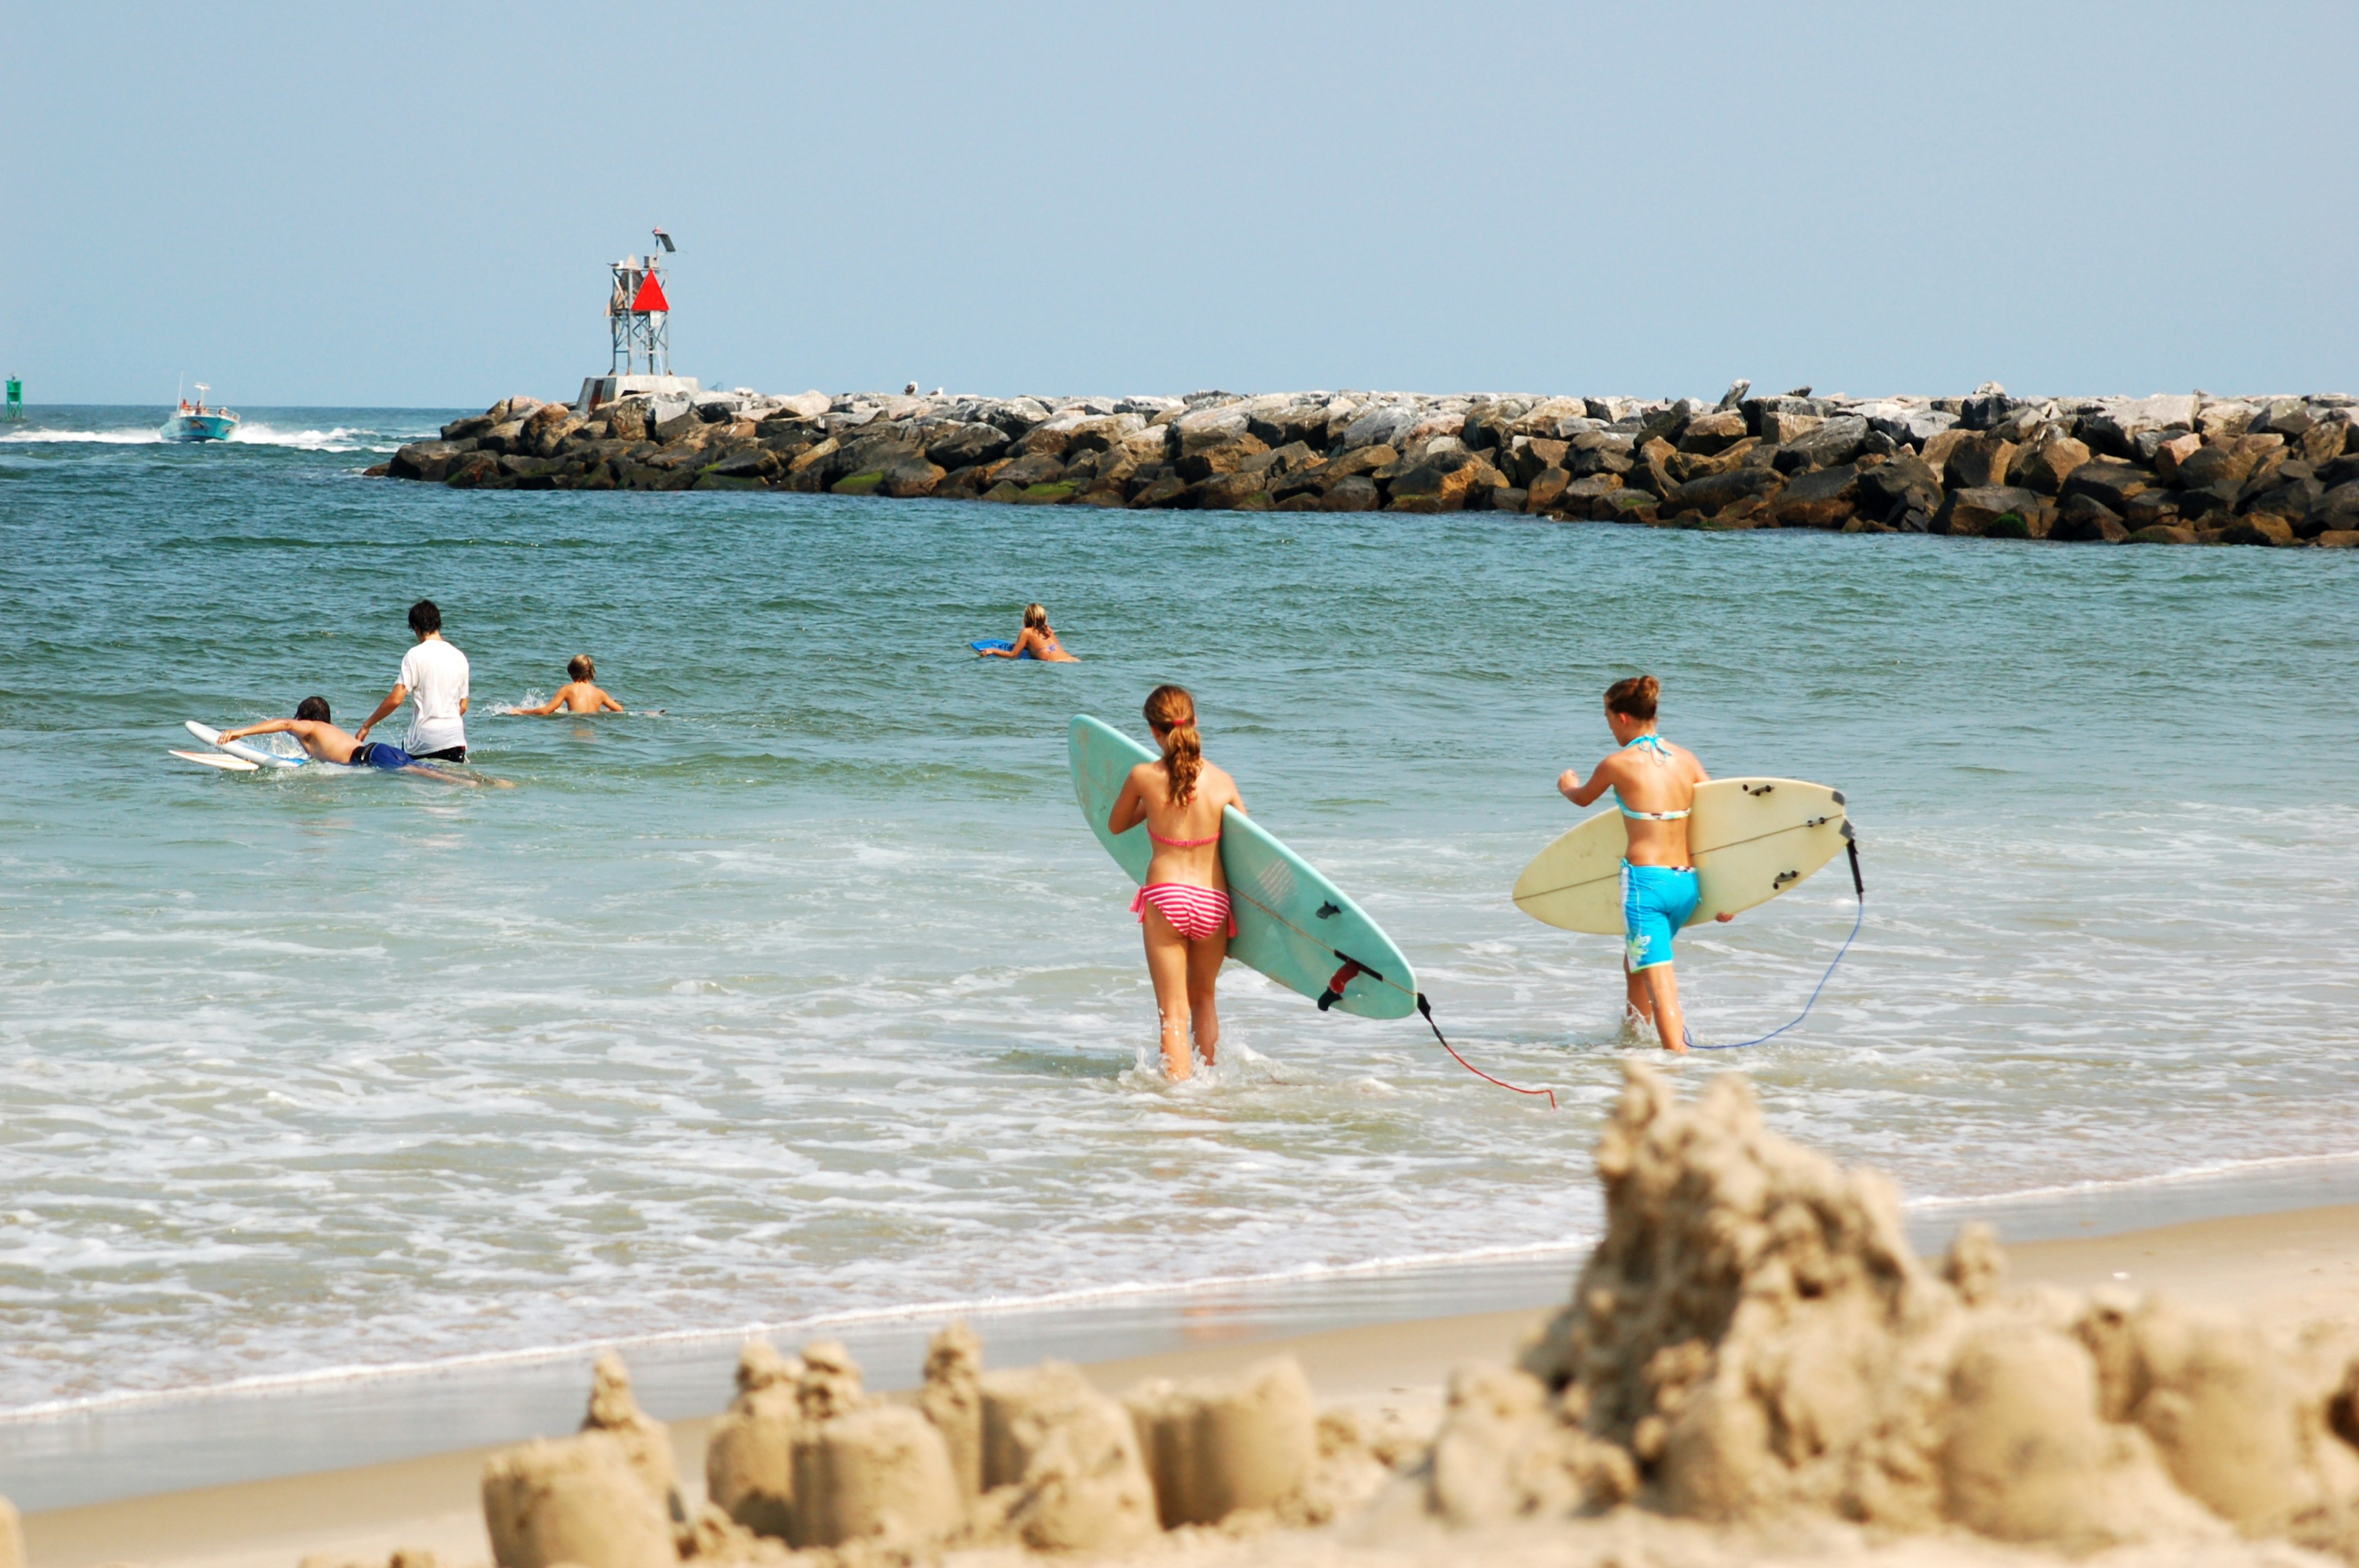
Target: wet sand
[2299,1266]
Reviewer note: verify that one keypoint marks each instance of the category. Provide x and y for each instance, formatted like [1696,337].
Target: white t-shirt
[436,674]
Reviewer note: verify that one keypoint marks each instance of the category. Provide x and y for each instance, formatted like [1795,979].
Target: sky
[416,205]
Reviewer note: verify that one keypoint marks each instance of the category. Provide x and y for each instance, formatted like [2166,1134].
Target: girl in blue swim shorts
[1654,783]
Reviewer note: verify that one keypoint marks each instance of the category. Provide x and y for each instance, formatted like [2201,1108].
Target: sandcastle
[1752,1346]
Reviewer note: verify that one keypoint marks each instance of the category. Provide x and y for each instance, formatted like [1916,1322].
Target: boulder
[1713,432]
[2145,509]
[1168,489]
[2111,483]
[1238,491]
[1353,492]
[1980,461]
[2336,509]
[1547,487]
[2046,463]
[2082,520]
[1985,409]
[1713,493]
[2258,529]
[1305,422]
[1387,424]
[1526,456]
[2338,539]
[1778,427]
[1212,441]
[806,405]
[1055,493]
[1626,506]
[2162,534]
[1824,498]
[756,463]
[1442,481]
[2169,454]
[1973,510]
[1905,483]
[467,429]
[1836,441]
[908,478]
[1936,452]
[431,461]
[2223,420]
[473,472]
[2325,440]
[862,483]
[1038,467]
[962,446]
[2112,430]
[1216,1446]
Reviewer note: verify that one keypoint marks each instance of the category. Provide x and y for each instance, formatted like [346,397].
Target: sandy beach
[2288,1270]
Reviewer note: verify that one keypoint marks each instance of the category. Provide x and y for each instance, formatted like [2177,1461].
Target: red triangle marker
[650,296]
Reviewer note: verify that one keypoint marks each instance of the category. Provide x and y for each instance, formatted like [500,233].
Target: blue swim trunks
[1656,902]
[377,754]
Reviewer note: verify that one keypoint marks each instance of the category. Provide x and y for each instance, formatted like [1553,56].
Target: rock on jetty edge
[2173,469]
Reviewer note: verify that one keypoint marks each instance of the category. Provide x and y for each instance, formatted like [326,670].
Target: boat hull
[199,426]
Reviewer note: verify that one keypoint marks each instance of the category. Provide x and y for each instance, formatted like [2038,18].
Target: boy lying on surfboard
[323,740]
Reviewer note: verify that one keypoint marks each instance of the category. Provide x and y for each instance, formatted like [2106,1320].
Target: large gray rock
[1711,493]
[2114,429]
[431,461]
[1387,424]
[1824,498]
[1836,441]
[2112,484]
[1903,483]
[2048,462]
[963,445]
[1979,461]
[1978,511]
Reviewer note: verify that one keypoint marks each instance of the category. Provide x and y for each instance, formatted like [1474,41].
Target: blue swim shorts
[1656,902]
[377,754]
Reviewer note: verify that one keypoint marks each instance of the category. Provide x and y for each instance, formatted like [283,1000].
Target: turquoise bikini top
[1662,755]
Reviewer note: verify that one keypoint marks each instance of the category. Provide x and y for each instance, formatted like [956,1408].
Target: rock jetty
[2172,469]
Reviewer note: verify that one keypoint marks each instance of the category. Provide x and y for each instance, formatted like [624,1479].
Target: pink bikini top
[1181,843]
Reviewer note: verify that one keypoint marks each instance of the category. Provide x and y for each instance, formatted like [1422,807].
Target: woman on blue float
[1654,783]
[1183,909]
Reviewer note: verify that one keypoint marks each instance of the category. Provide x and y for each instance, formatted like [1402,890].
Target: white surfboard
[1752,839]
[257,755]
[221,760]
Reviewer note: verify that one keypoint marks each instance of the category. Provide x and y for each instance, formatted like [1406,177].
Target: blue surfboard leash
[1859,888]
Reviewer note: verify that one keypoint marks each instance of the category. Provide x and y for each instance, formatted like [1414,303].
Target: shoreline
[2297,1266]
[208,1441]
[2165,470]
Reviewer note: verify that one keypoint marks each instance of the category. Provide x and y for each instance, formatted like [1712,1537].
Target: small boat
[195,422]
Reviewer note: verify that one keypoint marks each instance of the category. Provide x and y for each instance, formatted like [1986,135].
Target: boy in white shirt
[435,674]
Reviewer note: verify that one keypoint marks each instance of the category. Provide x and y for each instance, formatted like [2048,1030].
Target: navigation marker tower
[638,323]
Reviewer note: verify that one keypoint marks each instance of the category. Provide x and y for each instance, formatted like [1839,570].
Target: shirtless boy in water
[323,740]
[580,694]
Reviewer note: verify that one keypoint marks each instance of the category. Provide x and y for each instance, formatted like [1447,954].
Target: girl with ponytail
[1183,910]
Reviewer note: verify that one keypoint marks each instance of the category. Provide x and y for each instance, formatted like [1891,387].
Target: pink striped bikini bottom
[1194,912]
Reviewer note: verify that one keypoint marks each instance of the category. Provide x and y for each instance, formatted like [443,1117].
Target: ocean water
[803,991]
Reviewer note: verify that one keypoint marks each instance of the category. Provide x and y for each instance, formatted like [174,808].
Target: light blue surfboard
[1293,925]
[997,645]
